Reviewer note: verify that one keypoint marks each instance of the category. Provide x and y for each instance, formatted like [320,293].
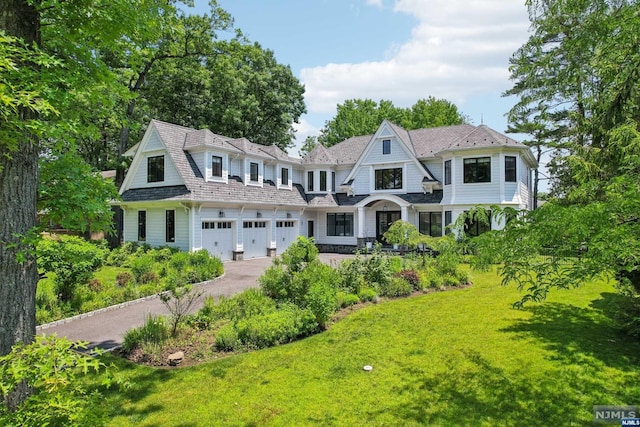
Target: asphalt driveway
[105,328]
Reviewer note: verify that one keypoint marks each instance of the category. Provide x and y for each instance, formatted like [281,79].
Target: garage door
[286,233]
[254,235]
[217,238]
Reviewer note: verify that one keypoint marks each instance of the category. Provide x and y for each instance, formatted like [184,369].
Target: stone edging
[111,308]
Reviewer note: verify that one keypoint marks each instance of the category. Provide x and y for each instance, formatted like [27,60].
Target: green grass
[462,357]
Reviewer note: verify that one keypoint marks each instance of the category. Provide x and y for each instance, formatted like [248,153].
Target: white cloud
[303,129]
[458,49]
[376,3]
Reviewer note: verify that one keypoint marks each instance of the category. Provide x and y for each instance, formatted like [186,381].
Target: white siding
[397,154]
[412,178]
[156,227]
[154,142]
[481,192]
[341,176]
[201,161]
[361,184]
[237,168]
[171,176]
[270,173]
[298,176]
[321,231]
[436,167]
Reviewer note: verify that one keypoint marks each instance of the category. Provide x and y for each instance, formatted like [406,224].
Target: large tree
[578,83]
[363,116]
[50,66]
[239,90]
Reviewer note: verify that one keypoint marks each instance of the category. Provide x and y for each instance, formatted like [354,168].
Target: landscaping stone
[175,358]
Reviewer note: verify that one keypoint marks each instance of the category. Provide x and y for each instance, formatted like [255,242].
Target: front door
[384,219]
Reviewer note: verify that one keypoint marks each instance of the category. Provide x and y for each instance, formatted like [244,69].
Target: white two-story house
[194,189]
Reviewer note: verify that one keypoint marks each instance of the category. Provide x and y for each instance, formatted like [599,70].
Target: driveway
[105,328]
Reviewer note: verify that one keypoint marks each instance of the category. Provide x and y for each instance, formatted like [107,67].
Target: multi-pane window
[475,226]
[310,181]
[386,146]
[510,169]
[253,171]
[323,180]
[339,224]
[216,166]
[389,179]
[430,223]
[447,172]
[142,226]
[155,169]
[477,170]
[284,176]
[170,226]
[333,182]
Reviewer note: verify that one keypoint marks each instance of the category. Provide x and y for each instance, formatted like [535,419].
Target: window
[447,221]
[510,169]
[386,146]
[170,226]
[155,169]
[323,180]
[216,166]
[447,172]
[284,176]
[284,224]
[333,182]
[339,224]
[389,179]
[430,223]
[475,227]
[142,226]
[310,181]
[253,172]
[477,170]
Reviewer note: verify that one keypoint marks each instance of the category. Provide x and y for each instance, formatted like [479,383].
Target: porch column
[361,223]
[404,213]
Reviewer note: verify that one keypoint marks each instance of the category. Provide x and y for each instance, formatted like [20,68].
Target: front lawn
[461,357]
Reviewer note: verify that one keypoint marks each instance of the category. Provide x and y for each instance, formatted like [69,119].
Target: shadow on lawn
[573,333]
[593,364]
[140,383]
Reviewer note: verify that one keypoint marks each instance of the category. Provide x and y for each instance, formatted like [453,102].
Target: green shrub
[227,338]
[154,331]
[377,267]
[118,256]
[368,295]
[141,266]
[395,264]
[124,278]
[72,259]
[250,302]
[318,289]
[58,395]
[346,300]
[396,287]
[284,325]
[274,282]
[179,261]
[351,272]
[149,277]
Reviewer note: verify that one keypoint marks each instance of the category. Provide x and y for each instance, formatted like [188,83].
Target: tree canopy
[577,83]
[363,116]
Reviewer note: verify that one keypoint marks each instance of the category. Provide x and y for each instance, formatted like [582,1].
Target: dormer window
[510,169]
[310,181]
[155,169]
[284,176]
[216,166]
[386,146]
[253,172]
[323,180]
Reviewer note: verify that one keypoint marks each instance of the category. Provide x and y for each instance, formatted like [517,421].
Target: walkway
[105,329]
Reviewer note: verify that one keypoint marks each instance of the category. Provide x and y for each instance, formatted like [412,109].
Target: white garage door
[254,235]
[217,238]
[286,233]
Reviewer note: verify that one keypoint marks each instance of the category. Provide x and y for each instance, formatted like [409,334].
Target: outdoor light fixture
[258,214]
[384,208]
[221,214]
[288,214]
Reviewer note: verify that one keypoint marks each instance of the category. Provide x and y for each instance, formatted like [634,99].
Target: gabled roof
[206,138]
[196,188]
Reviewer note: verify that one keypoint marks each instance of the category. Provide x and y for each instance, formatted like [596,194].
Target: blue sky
[399,50]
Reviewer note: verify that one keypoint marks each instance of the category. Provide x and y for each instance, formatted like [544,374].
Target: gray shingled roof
[320,155]
[173,193]
[349,151]
[174,138]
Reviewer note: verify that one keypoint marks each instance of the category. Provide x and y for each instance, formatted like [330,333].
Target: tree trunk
[18,196]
